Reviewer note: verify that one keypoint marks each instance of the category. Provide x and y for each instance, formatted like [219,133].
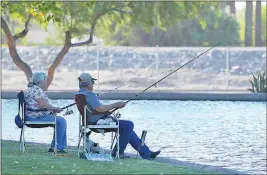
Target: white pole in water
[97,66]
[227,67]
[157,64]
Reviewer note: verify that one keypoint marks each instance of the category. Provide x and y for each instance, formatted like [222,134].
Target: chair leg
[112,140]
[84,130]
[55,134]
[84,140]
[118,142]
[80,134]
[79,142]
[22,139]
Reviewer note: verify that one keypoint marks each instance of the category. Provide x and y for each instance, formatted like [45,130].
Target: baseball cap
[86,77]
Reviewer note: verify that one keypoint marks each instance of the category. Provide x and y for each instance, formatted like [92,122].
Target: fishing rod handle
[68,106]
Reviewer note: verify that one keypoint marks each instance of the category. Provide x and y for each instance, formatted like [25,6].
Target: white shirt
[31,95]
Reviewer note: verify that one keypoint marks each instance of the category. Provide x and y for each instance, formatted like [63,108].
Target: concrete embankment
[156,95]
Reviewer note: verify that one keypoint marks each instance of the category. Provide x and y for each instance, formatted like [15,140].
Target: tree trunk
[11,42]
[59,58]
[258,39]
[232,7]
[248,25]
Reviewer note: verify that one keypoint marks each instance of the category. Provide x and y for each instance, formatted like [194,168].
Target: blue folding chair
[85,114]
[32,124]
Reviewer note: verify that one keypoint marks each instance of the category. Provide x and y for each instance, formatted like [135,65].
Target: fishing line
[167,76]
[171,72]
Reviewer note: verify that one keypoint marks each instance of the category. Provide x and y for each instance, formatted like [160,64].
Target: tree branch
[59,58]
[68,44]
[90,40]
[7,31]
[25,31]
[13,51]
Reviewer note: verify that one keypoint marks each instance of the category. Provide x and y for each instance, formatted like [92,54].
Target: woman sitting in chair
[127,134]
[36,98]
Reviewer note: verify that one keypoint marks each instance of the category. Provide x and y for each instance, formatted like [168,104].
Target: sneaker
[51,150]
[153,155]
[124,156]
[97,149]
[62,152]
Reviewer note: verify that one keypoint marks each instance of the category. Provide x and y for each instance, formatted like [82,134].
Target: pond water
[220,133]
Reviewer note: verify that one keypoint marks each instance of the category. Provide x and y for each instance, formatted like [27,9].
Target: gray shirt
[92,103]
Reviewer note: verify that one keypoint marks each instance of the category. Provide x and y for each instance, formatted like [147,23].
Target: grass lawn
[36,160]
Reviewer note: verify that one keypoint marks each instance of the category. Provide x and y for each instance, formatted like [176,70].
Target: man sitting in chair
[127,135]
[36,98]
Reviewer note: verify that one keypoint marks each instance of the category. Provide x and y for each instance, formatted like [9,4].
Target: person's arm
[39,96]
[43,103]
[99,108]
[106,108]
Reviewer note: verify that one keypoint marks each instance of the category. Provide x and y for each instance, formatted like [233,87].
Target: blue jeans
[61,129]
[127,135]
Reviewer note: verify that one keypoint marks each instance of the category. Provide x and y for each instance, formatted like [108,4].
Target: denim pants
[127,135]
[61,129]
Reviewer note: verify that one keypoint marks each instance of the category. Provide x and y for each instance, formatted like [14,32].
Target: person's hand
[57,110]
[120,104]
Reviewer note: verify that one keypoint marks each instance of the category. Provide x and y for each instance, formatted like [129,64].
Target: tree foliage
[188,32]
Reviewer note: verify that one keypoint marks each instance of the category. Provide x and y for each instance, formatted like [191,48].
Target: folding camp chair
[85,114]
[33,124]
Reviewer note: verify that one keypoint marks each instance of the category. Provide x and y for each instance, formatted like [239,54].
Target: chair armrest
[40,122]
[102,126]
[36,110]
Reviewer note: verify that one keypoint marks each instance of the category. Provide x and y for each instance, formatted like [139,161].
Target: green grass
[36,160]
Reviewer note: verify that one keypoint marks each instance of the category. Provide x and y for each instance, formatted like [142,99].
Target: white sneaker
[97,149]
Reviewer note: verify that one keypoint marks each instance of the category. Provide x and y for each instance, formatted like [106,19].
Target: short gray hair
[36,78]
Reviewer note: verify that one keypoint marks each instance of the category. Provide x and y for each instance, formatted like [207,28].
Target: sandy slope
[182,80]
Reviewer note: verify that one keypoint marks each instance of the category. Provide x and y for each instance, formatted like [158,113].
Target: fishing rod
[116,88]
[171,72]
[68,106]
[167,76]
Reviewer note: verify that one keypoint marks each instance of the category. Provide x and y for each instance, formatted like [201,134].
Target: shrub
[259,82]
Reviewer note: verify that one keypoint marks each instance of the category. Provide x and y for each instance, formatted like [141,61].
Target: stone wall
[241,60]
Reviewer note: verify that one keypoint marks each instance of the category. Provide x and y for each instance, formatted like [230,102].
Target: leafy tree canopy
[182,33]
[80,18]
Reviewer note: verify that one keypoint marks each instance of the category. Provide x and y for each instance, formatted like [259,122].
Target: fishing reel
[68,112]
[116,115]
